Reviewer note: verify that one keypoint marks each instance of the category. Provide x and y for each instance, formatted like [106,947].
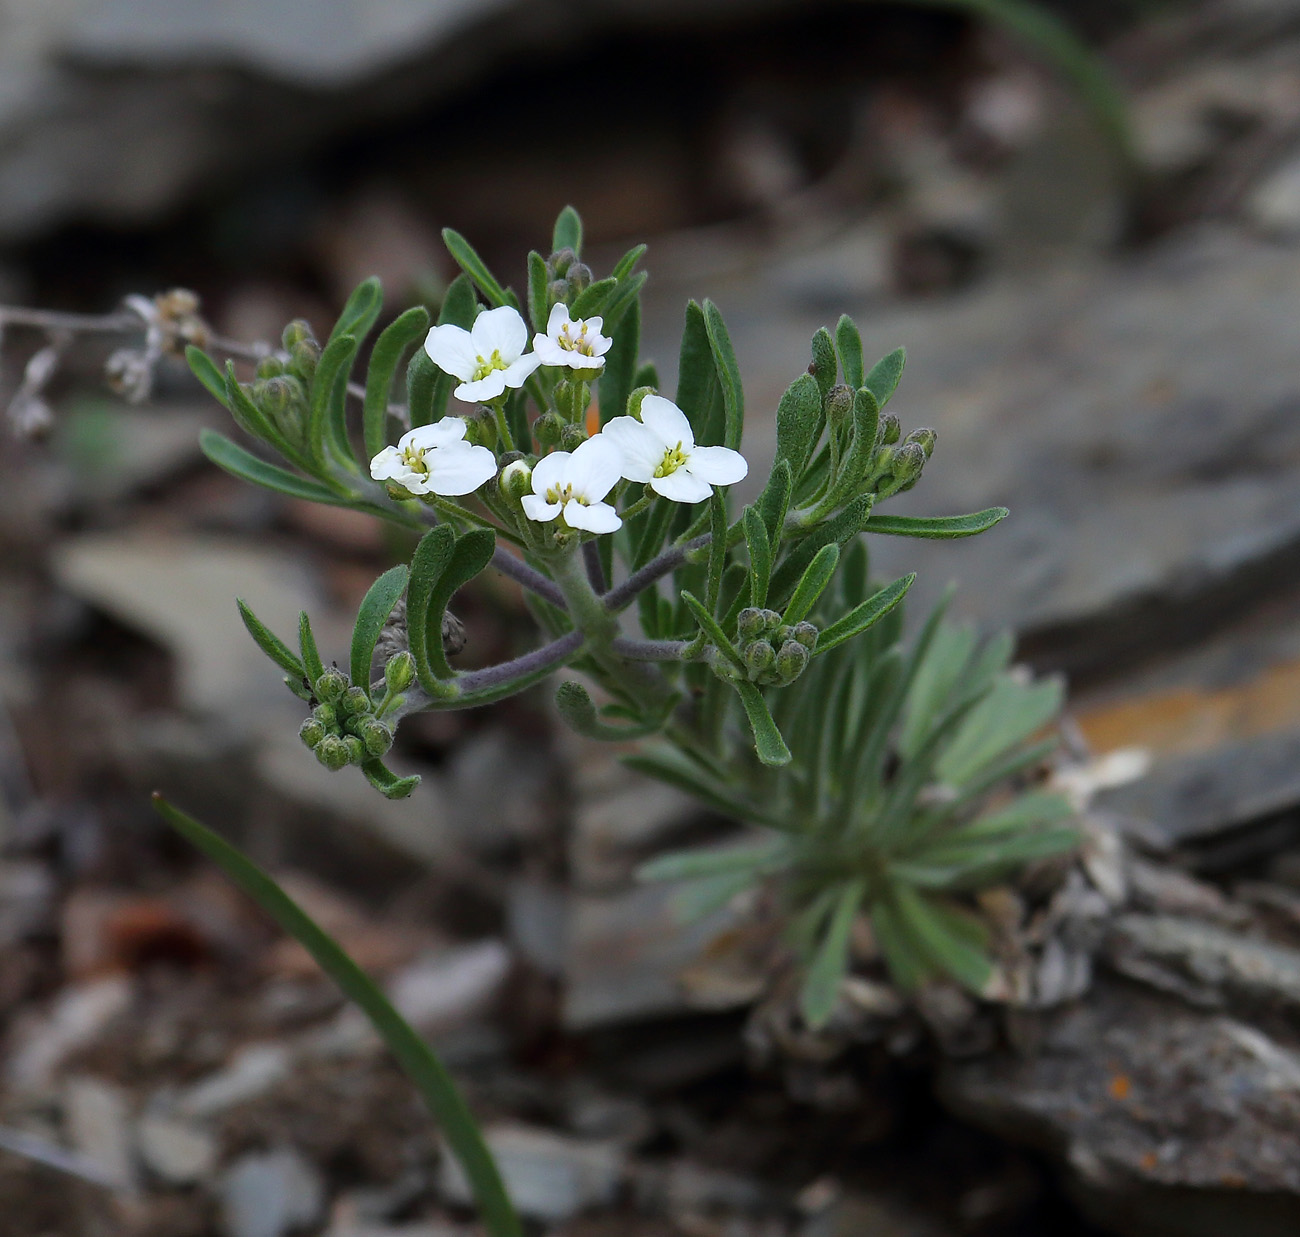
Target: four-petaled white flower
[574,483]
[575,342]
[435,459]
[488,357]
[660,449]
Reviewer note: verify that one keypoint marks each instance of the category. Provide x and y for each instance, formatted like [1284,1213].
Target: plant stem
[622,594]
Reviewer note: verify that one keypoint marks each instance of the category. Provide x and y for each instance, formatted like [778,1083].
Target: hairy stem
[622,594]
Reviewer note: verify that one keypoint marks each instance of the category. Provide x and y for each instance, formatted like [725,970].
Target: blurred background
[1099,300]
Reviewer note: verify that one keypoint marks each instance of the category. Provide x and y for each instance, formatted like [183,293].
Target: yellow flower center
[575,343]
[486,365]
[556,494]
[672,461]
[413,458]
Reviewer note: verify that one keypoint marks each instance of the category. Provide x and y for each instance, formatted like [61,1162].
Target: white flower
[488,357]
[435,459]
[660,449]
[575,483]
[575,342]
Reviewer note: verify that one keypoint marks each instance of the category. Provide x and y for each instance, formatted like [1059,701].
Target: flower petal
[500,330]
[459,469]
[640,447]
[537,508]
[440,434]
[549,352]
[558,320]
[596,467]
[591,517]
[551,470]
[520,369]
[386,465]
[452,350]
[681,487]
[717,465]
[484,389]
[668,422]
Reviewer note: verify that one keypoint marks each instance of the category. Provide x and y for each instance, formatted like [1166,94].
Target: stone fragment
[99,1122]
[269,1194]
[253,1071]
[179,1152]
[79,1013]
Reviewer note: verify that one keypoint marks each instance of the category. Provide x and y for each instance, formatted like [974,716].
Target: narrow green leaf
[328,389]
[671,766]
[848,343]
[360,313]
[799,421]
[422,377]
[862,616]
[768,742]
[821,987]
[760,556]
[627,262]
[620,365]
[620,301]
[774,501]
[717,550]
[247,467]
[885,375]
[647,375]
[712,861]
[270,643]
[428,565]
[936,679]
[567,234]
[459,304]
[375,608]
[907,963]
[384,357]
[470,555]
[815,579]
[310,654]
[579,711]
[937,527]
[697,376]
[836,531]
[204,368]
[593,298]
[951,939]
[1008,715]
[824,367]
[538,291]
[411,1050]
[388,783]
[709,625]
[473,266]
[728,371]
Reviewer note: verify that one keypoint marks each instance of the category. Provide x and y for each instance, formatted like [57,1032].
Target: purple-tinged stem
[656,569]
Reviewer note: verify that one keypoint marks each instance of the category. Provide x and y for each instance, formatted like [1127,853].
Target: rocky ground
[1107,346]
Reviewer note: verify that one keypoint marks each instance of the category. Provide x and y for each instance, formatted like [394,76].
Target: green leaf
[579,711]
[854,571]
[799,421]
[469,556]
[671,766]
[814,580]
[936,678]
[1008,715]
[824,367]
[567,234]
[698,394]
[310,655]
[473,266]
[848,343]
[647,375]
[885,375]
[937,527]
[388,783]
[593,298]
[375,608]
[768,742]
[384,357]
[422,377]
[712,861]
[620,363]
[270,643]
[428,565]
[360,313]
[620,301]
[247,467]
[837,531]
[864,615]
[205,370]
[728,371]
[539,285]
[328,391]
[821,987]
[627,262]
[459,304]
[774,501]
[717,550]
[412,1052]
[760,556]
[952,940]
[717,637]
[907,963]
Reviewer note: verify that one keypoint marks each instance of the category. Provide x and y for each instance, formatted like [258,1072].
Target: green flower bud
[890,429]
[926,438]
[356,700]
[304,358]
[759,657]
[333,752]
[909,459]
[376,737]
[556,291]
[327,715]
[311,732]
[771,620]
[634,401]
[578,277]
[548,428]
[270,367]
[295,333]
[516,480]
[806,634]
[838,404]
[330,686]
[572,437]
[791,660]
[355,749]
[399,671]
[560,261]
[750,624]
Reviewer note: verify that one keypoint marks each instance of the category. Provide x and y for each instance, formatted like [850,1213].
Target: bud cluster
[775,652]
[280,389]
[344,727]
[566,276]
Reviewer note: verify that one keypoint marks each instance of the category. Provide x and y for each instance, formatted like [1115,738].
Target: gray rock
[270,1194]
[40,1043]
[99,1121]
[254,1070]
[550,1177]
[177,1151]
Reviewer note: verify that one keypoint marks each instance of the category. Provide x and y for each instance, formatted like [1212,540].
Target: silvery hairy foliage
[748,647]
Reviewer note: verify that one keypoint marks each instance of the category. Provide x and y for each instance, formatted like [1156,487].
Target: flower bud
[295,333]
[759,657]
[771,620]
[572,437]
[303,359]
[635,399]
[926,438]
[516,480]
[806,634]
[909,459]
[327,715]
[548,428]
[270,367]
[556,291]
[750,623]
[356,750]
[890,429]
[578,277]
[376,737]
[333,752]
[399,671]
[330,686]
[791,660]
[838,404]
[560,261]
[311,732]
[356,700]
